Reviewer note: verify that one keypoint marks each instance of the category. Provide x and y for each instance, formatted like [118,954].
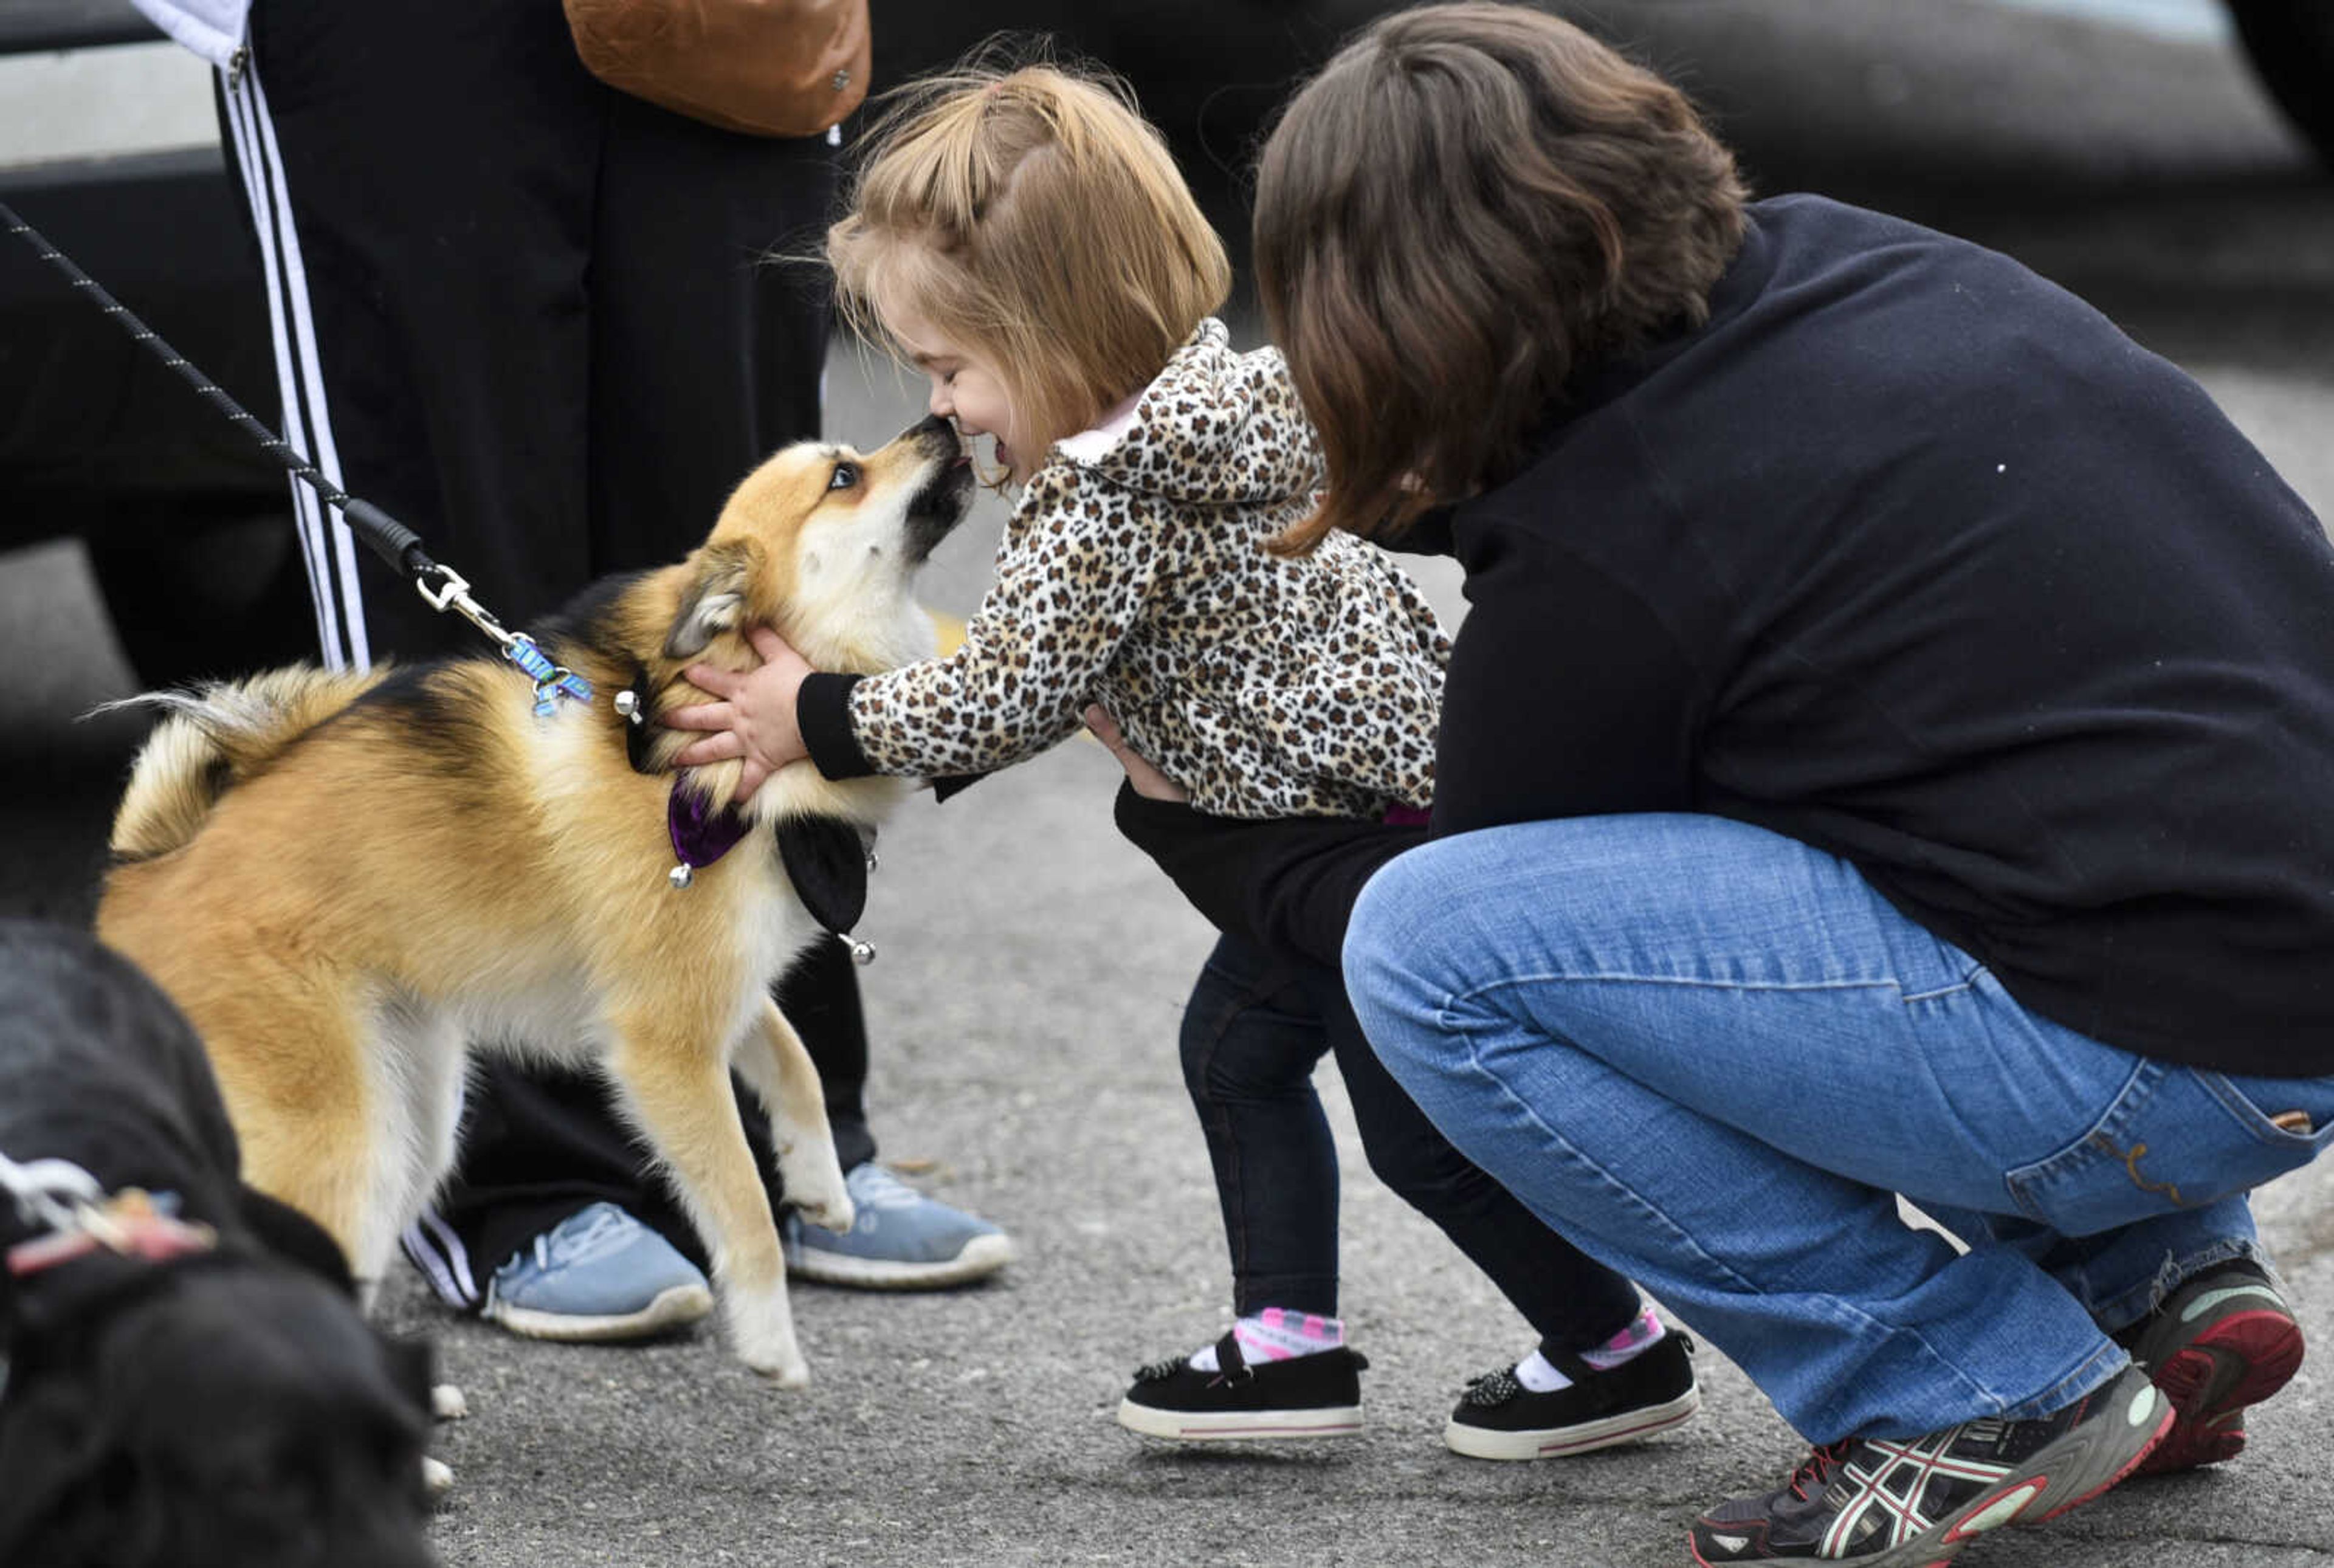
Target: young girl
[1026,241]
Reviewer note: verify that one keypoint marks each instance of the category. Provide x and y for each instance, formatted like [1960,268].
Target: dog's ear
[713,599]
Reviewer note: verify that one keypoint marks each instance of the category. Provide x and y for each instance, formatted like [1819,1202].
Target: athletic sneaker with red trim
[1914,1503]
[2225,1339]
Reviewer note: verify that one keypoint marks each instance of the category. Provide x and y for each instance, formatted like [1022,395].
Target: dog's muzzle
[940,504]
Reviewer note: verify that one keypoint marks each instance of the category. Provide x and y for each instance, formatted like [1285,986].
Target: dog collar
[700,835]
[827,859]
[130,1223]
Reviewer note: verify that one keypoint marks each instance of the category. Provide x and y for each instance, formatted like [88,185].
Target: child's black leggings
[1254,1030]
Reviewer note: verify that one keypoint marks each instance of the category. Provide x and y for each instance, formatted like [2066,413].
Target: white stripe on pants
[325,541]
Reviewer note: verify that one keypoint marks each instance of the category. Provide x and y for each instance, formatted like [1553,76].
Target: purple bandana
[699,836]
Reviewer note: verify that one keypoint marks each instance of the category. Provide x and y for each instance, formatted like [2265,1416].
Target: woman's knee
[1396,959]
[1440,925]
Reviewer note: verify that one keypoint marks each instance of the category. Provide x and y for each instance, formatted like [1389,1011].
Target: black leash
[440,586]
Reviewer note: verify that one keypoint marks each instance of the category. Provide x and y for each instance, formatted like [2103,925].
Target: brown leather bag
[765,67]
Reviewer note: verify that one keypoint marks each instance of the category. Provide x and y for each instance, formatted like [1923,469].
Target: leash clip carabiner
[552,681]
[453,593]
[38,1185]
[450,582]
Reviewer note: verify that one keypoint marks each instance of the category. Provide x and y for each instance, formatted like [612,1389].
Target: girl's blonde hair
[1034,216]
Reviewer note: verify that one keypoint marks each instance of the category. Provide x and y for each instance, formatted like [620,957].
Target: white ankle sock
[1536,1372]
[1277,1336]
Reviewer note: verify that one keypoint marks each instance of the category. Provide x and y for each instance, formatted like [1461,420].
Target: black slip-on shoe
[1312,1395]
[1499,1418]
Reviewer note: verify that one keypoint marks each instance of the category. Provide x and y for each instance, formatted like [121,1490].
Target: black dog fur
[230,1408]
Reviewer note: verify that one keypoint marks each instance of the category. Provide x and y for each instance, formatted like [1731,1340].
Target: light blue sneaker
[597,1275]
[901,1240]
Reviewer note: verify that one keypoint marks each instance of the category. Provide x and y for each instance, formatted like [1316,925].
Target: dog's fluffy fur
[344,879]
[229,1407]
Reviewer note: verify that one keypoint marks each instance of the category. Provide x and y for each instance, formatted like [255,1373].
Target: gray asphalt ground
[1032,969]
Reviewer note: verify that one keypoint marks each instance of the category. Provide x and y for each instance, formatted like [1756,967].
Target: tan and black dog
[347,880]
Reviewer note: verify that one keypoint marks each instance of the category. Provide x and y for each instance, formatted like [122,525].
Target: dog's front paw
[776,1358]
[836,1214]
[815,1186]
[447,1403]
[762,1333]
[790,1373]
[436,1478]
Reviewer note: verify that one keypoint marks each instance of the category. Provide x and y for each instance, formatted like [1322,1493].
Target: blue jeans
[1711,1055]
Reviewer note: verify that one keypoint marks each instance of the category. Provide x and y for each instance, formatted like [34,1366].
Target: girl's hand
[1148,780]
[755,721]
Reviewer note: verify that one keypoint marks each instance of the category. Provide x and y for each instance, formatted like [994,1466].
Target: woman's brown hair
[1471,205]
[1032,214]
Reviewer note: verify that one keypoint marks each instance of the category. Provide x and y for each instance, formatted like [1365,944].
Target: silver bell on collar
[680,876]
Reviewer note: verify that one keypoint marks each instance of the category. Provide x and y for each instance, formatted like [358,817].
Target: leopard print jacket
[1136,576]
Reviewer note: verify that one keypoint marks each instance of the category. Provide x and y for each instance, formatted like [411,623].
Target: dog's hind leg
[423,1058]
[678,1090]
[775,1061]
[316,1132]
[428,1049]
[412,1063]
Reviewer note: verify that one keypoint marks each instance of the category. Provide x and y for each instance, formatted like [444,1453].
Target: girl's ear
[715,598]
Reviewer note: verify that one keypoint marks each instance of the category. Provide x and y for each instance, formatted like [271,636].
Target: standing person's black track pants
[539,323]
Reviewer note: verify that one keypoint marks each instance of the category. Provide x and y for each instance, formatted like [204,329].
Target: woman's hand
[754,722]
[1147,781]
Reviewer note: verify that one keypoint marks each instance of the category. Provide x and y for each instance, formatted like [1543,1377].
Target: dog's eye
[845,476]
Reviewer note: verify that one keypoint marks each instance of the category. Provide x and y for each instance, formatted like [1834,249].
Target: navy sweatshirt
[1912,556]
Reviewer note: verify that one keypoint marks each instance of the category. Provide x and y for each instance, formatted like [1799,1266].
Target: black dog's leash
[440,586]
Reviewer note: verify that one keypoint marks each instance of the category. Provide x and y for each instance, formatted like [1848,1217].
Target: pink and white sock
[1538,1374]
[1277,1336]
[1628,1345]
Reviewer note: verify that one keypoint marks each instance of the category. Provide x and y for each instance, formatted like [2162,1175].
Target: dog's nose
[936,434]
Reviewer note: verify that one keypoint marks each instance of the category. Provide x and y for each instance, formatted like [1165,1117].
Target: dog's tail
[211,738]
